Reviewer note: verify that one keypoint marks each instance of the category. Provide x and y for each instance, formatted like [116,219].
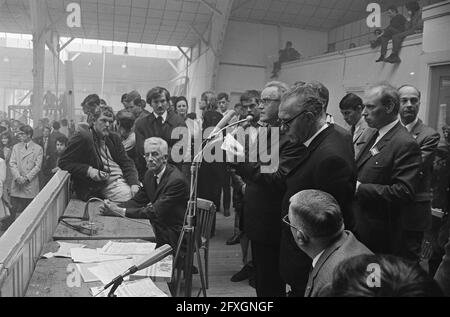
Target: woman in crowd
[4,195]
[210,174]
[194,128]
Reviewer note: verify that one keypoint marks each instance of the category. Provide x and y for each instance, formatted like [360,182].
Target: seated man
[396,26]
[97,159]
[317,225]
[163,198]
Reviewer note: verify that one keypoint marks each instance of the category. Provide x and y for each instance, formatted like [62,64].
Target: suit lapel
[312,147]
[368,135]
[323,258]
[417,129]
[163,182]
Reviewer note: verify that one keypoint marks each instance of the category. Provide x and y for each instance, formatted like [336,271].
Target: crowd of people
[344,213]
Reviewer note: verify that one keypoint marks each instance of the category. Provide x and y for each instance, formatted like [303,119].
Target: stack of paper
[141,288]
[92,256]
[129,248]
[159,272]
[64,250]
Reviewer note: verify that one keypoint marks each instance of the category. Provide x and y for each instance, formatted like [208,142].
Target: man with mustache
[419,218]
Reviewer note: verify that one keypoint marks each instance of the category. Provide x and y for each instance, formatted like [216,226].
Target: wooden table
[108,227]
[50,276]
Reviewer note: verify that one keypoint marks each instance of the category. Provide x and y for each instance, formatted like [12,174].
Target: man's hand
[20,180]
[110,209]
[96,175]
[134,190]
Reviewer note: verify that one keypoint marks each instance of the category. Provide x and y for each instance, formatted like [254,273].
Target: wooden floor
[224,262]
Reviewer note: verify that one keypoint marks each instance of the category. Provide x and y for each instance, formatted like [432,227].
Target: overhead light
[6,59]
[412,73]
[90,63]
[124,66]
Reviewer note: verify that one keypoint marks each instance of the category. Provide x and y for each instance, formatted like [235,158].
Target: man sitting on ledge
[97,160]
[163,198]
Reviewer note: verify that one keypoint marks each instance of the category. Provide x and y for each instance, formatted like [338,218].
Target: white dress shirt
[316,259]
[384,130]
[308,143]
[411,125]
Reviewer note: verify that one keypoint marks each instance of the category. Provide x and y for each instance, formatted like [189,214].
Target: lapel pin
[374,151]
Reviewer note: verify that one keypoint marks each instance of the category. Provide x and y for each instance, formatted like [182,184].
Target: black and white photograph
[224,155]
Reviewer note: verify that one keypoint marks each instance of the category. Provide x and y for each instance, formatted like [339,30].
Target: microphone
[222,123]
[156,256]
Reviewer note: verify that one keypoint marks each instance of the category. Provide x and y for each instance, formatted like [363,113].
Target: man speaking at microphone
[163,198]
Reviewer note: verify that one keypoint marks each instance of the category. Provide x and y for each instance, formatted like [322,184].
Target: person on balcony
[413,25]
[396,26]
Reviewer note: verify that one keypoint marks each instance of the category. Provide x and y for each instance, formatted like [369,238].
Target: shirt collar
[382,132]
[163,116]
[359,123]
[160,174]
[316,259]
[308,143]
[411,125]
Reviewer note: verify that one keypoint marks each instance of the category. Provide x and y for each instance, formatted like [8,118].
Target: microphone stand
[190,218]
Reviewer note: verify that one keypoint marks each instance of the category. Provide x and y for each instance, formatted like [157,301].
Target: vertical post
[103,71]
[70,89]
[39,22]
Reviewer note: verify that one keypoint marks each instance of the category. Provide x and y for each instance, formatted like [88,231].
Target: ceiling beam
[201,37]
[212,8]
[184,53]
[65,44]
[172,65]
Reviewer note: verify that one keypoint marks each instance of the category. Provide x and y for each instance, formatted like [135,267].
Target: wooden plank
[50,276]
[108,227]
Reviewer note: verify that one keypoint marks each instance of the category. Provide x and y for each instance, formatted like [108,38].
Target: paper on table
[160,272]
[87,275]
[140,288]
[106,272]
[128,248]
[90,256]
[232,148]
[64,250]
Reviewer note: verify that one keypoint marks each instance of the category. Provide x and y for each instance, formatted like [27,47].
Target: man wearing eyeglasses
[316,223]
[262,202]
[327,164]
[158,124]
[419,215]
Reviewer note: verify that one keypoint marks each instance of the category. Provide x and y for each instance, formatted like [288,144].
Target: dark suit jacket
[347,246]
[418,217]
[389,180]
[443,273]
[169,200]
[146,128]
[262,214]
[327,165]
[47,155]
[82,153]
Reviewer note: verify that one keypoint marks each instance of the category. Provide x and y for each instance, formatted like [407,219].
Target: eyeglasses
[287,222]
[266,101]
[413,100]
[286,125]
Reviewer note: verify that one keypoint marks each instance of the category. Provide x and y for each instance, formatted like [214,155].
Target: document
[81,255]
[64,250]
[140,288]
[107,271]
[128,248]
[159,272]
[232,148]
[87,275]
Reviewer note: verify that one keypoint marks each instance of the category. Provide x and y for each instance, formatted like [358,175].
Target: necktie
[26,147]
[159,123]
[353,129]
